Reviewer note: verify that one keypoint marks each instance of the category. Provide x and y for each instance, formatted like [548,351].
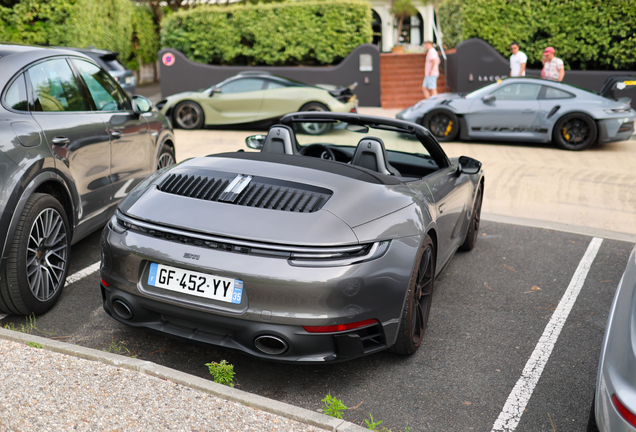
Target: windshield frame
[428,142]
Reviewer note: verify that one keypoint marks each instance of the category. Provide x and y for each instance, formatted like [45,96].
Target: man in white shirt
[518,61]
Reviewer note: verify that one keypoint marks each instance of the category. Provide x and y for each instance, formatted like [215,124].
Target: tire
[37,265]
[418,301]
[314,128]
[443,124]
[166,157]
[575,132]
[473,227]
[188,115]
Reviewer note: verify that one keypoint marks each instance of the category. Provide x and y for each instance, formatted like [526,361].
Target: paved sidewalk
[68,387]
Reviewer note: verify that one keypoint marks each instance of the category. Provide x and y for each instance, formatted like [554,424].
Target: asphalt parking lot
[490,306]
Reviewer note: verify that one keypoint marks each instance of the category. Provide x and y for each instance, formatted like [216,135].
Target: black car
[72,145]
[108,60]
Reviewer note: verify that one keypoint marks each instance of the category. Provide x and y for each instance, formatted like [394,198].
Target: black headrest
[371,154]
[280,139]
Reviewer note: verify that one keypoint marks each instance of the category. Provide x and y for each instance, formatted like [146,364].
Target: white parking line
[82,273]
[75,277]
[518,399]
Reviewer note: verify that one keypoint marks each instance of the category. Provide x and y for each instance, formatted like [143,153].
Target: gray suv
[72,145]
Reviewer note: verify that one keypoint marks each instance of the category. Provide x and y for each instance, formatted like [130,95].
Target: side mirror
[468,165]
[141,105]
[255,141]
[214,91]
[488,98]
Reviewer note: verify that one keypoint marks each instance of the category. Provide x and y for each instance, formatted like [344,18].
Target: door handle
[60,141]
[115,134]
[528,111]
[441,208]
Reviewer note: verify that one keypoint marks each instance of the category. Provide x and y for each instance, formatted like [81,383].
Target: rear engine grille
[261,192]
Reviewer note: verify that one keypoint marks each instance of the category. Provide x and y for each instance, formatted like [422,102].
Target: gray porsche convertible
[530,109]
[317,248]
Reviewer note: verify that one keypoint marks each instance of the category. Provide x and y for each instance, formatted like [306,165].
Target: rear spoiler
[343,94]
[617,82]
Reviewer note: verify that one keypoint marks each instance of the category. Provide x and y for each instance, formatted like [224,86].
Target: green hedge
[116,25]
[104,24]
[304,32]
[587,34]
[40,22]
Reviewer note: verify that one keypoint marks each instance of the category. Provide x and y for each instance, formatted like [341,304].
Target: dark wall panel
[186,75]
[479,64]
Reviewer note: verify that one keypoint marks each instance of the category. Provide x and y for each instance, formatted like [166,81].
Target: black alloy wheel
[38,260]
[314,128]
[188,115]
[575,132]
[473,227]
[166,157]
[443,124]
[418,303]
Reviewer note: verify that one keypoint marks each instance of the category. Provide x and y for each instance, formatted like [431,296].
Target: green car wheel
[314,128]
[188,115]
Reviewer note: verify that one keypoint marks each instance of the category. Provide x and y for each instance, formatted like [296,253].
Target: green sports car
[254,97]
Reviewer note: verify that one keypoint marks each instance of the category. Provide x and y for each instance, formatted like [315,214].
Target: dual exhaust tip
[122,309]
[271,345]
[267,344]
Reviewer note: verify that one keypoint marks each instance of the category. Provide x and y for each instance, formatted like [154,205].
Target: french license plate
[194,283]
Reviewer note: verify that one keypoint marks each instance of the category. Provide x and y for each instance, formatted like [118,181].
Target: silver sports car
[530,109]
[614,406]
[317,248]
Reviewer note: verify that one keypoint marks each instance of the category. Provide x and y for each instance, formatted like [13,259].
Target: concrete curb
[557,226]
[282,409]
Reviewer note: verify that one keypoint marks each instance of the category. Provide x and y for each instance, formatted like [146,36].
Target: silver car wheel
[165,160]
[47,254]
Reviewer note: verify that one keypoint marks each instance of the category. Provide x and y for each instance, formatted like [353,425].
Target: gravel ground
[44,390]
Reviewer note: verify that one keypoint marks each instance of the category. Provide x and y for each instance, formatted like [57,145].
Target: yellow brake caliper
[566,135]
[449,128]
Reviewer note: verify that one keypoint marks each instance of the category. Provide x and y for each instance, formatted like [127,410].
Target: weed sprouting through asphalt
[118,347]
[28,327]
[222,373]
[333,407]
[371,424]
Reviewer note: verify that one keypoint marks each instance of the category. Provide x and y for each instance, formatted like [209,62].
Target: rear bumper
[351,106]
[240,334]
[620,129]
[278,298]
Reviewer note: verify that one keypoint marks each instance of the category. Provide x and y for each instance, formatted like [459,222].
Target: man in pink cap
[552,66]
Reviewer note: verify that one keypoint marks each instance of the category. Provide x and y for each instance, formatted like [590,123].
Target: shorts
[430,82]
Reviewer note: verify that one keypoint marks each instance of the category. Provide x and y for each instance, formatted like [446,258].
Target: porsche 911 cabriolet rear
[317,293]
[275,301]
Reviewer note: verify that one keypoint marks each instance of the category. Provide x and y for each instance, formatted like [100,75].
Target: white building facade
[415,30]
